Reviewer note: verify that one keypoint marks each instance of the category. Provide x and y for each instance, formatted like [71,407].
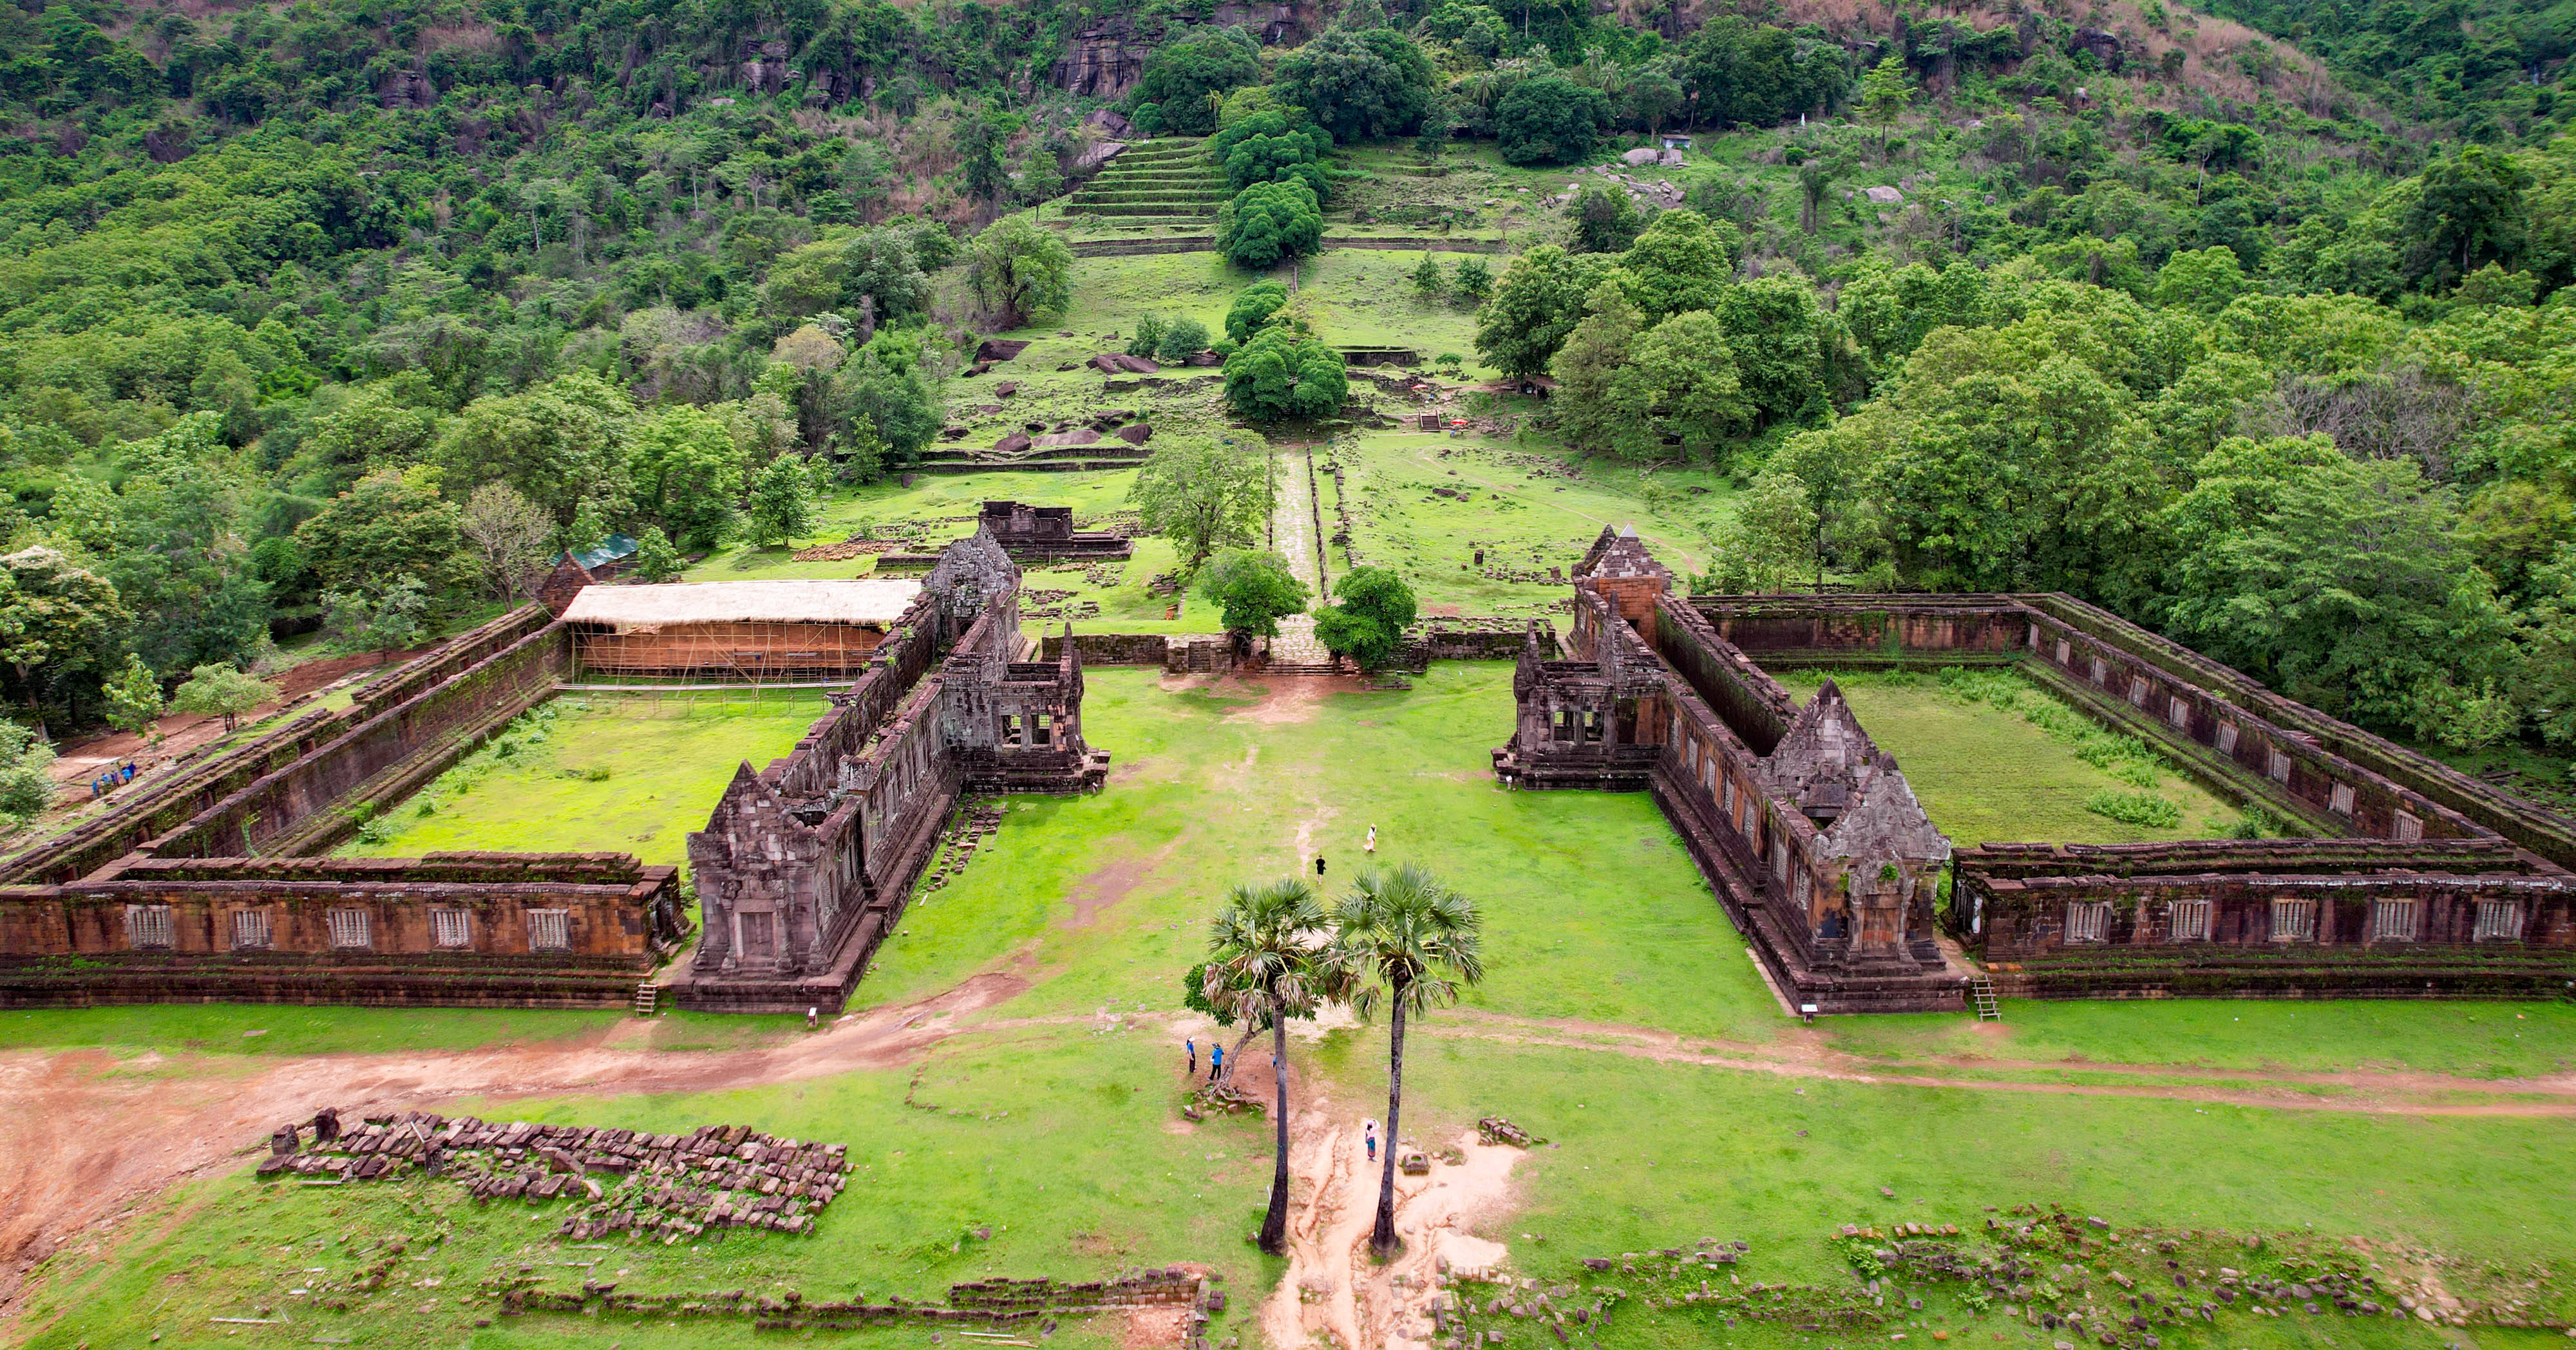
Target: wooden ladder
[1981,991]
[648,998]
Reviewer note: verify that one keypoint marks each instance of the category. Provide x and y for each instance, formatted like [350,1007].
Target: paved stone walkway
[1296,644]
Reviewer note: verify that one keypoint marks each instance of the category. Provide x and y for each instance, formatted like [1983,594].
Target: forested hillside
[353,312]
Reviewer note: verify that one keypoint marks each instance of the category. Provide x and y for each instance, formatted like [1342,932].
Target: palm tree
[1272,958]
[1423,942]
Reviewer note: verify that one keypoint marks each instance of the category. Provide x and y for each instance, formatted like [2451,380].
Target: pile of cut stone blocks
[656,1185]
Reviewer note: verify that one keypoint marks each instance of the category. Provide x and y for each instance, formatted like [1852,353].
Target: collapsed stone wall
[622,1181]
[1111,649]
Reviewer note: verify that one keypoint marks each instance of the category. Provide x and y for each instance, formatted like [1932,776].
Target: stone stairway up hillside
[1164,182]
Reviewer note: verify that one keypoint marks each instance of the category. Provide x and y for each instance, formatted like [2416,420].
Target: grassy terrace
[1621,1020]
[632,773]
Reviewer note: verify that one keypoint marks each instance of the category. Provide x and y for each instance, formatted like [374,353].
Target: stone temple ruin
[2417,881]
[218,881]
[805,866]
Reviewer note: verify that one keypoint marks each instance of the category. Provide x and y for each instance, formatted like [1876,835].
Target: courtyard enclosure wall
[214,885]
[313,804]
[2411,887]
[160,808]
[525,930]
[2414,886]
[802,870]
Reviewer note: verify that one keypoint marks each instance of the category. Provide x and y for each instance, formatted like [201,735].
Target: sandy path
[1333,1291]
[1292,518]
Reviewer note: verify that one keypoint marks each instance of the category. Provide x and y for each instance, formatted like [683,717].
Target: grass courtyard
[1622,1021]
[629,773]
[1988,775]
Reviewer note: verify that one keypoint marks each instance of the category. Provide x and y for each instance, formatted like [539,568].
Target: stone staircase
[1296,652]
[1165,182]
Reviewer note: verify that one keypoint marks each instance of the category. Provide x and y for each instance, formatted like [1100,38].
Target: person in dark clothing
[1191,1045]
[1319,864]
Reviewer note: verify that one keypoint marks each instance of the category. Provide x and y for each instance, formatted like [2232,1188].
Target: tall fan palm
[1422,942]
[1272,958]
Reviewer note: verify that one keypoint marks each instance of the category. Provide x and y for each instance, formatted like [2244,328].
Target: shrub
[2135,808]
[1184,339]
[1149,335]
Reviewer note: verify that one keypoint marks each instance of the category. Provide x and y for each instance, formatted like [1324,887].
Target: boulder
[1006,388]
[1885,196]
[1090,160]
[999,349]
[1137,434]
[1013,444]
[1109,123]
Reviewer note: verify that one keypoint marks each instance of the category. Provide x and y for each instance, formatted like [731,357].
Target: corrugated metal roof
[870,603]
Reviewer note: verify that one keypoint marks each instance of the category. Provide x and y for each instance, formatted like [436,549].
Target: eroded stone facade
[805,866]
[1806,830]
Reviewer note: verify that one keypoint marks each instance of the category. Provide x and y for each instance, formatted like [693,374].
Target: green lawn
[1594,910]
[633,773]
[1988,775]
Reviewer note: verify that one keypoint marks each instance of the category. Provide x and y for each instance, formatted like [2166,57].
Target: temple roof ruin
[864,603]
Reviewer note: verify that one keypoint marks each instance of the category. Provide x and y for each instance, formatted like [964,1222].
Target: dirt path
[1333,1290]
[92,1136]
[1799,1055]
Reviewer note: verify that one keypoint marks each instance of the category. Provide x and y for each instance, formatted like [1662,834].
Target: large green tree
[1372,609]
[1360,86]
[1252,591]
[688,476]
[1550,120]
[391,522]
[1534,307]
[1284,371]
[59,625]
[1268,222]
[1180,76]
[1020,269]
[1203,494]
[557,443]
